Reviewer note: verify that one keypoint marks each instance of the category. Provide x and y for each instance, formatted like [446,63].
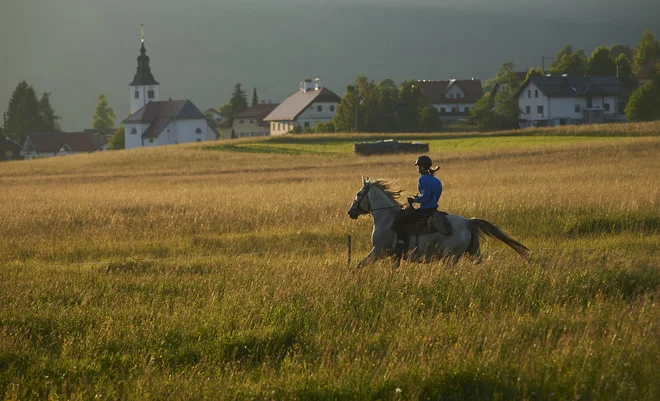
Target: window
[539,109]
[467,109]
[241,121]
[454,109]
[332,107]
[577,108]
[150,94]
[528,110]
[137,94]
[606,106]
[198,131]
[319,108]
[536,93]
[133,131]
[443,109]
[151,140]
[279,126]
[199,140]
[451,95]
[529,93]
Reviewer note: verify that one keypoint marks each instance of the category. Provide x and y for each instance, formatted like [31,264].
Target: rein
[370,209]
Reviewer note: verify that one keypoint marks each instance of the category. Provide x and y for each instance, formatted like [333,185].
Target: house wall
[281,127]
[308,118]
[143,96]
[533,97]
[131,140]
[249,127]
[184,131]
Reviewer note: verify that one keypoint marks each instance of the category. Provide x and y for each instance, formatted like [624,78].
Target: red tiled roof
[295,104]
[51,142]
[435,90]
[645,71]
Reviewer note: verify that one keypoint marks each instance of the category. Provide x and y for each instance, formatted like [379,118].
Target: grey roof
[159,114]
[575,86]
[143,75]
[52,142]
[295,104]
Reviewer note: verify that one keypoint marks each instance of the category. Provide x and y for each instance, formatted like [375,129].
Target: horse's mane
[388,189]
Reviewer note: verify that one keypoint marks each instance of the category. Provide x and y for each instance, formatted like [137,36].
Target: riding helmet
[424,161]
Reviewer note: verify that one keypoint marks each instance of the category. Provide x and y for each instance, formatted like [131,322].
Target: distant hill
[199,49]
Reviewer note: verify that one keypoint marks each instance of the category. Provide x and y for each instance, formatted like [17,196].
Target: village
[596,92]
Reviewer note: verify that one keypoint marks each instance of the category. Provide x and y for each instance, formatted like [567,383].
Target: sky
[79,49]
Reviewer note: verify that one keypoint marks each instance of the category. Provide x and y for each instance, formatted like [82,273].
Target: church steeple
[143,76]
[144,88]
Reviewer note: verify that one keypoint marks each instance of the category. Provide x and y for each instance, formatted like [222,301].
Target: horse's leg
[374,255]
[474,249]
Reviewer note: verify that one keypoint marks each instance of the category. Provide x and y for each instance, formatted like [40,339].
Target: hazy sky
[199,49]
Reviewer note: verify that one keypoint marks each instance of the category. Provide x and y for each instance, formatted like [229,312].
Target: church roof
[143,76]
[159,114]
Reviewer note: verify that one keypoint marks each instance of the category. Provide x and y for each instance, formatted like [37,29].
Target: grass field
[197,272]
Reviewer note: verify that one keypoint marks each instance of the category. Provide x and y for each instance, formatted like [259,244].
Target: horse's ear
[367,180]
[363,180]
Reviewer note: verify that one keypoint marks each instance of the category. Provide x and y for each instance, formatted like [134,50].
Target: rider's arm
[424,190]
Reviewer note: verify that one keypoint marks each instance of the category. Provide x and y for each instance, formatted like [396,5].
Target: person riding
[430,189]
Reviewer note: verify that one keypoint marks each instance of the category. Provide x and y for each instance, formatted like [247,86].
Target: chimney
[306,85]
[318,85]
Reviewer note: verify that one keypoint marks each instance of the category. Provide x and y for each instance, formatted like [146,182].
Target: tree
[644,103]
[226,111]
[324,127]
[104,117]
[647,49]
[387,105]
[482,112]
[601,63]
[23,112]
[429,119]
[344,120]
[534,71]
[47,115]
[387,83]
[564,51]
[618,49]
[411,102]
[507,76]
[626,75]
[238,100]
[574,63]
[255,98]
[117,141]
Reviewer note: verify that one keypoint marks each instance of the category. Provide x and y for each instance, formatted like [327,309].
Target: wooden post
[348,248]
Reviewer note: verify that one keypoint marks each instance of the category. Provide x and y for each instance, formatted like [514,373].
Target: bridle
[361,210]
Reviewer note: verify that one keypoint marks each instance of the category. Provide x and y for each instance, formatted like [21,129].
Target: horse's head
[361,203]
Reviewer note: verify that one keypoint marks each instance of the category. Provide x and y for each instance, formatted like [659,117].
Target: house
[310,105]
[644,74]
[554,100]
[10,150]
[452,98]
[50,144]
[167,123]
[251,122]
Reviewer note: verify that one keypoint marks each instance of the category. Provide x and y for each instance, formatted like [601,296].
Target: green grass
[442,143]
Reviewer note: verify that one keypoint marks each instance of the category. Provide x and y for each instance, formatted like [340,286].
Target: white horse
[377,198]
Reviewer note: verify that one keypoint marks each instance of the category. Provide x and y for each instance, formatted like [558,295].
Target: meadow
[220,272]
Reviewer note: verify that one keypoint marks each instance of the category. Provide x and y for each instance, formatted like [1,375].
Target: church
[154,122]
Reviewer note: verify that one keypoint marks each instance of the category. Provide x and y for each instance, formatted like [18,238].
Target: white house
[250,123]
[153,122]
[553,100]
[310,105]
[452,98]
[50,144]
[167,123]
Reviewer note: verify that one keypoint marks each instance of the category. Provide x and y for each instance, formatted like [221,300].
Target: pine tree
[238,100]
[47,116]
[255,98]
[647,49]
[23,112]
[104,117]
[601,63]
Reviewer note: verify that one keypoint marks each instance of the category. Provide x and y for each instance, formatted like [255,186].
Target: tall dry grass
[183,273]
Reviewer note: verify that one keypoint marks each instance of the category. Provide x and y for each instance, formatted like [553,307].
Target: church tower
[144,87]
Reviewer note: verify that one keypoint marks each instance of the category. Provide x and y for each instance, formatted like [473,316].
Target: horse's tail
[484,227]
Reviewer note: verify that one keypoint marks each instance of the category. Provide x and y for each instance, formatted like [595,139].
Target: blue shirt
[430,189]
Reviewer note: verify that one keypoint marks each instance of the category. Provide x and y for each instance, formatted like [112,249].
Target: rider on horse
[430,189]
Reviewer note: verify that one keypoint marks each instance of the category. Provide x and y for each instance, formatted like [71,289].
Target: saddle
[436,223]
